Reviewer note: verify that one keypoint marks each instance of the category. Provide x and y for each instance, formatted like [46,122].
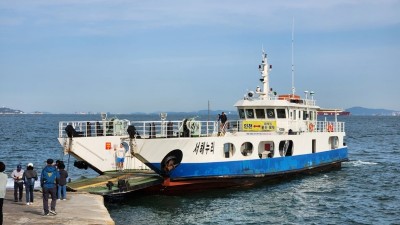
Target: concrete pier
[79,208]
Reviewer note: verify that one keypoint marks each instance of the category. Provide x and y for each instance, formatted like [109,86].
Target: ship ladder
[223,127]
[133,146]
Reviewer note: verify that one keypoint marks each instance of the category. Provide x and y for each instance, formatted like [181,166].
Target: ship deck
[114,184]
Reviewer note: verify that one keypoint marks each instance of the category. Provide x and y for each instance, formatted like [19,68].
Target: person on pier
[29,177]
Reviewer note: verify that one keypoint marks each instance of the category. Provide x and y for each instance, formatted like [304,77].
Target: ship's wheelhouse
[284,119]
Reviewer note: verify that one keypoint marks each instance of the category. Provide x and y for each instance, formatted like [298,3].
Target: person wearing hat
[18,183]
[48,181]
[29,177]
[3,186]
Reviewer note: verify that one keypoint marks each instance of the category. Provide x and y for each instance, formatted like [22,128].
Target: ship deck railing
[187,128]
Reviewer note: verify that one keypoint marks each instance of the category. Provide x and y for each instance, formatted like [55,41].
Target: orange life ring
[311,127]
[330,127]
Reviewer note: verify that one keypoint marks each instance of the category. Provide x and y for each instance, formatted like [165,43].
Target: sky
[126,56]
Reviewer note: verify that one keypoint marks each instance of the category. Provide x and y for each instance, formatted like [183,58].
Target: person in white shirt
[18,183]
[3,185]
[120,153]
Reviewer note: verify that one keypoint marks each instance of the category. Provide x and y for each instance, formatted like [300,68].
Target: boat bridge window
[270,113]
[266,149]
[300,115]
[246,149]
[305,115]
[241,113]
[281,113]
[260,113]
[294,114]
[311,115]
[229,150]
[286,148]
[250,113]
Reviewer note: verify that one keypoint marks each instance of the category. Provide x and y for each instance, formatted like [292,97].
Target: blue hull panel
[256,167]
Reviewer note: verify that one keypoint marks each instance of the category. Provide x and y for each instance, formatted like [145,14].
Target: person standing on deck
[18,183]
[3,186]
[120,153]
[48,182]
[29,177]
[223,118]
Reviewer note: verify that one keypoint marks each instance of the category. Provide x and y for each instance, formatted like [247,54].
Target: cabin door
[314,145]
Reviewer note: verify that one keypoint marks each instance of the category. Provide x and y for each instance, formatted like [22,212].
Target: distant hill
[355,111]
[5,110]
[361,111]
[200,112]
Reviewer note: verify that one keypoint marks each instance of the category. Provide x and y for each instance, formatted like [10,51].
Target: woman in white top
[3,185]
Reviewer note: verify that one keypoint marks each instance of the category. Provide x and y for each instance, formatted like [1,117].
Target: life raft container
[330,127]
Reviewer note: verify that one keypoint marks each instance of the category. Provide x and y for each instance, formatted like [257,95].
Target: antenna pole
[208,110]
[293,88]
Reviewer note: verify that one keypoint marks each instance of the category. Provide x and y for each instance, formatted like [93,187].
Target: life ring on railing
[311,127]
[330,127]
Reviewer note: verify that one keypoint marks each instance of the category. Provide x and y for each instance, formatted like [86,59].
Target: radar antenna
[293,88]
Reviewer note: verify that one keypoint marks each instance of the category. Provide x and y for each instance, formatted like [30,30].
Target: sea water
[365,191]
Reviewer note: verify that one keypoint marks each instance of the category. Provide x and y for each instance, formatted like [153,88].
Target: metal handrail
[186,128]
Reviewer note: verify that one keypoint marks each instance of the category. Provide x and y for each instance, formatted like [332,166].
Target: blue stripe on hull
[257,167]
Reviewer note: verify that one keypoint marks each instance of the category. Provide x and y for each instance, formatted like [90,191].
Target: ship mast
[264,69]
[293,88]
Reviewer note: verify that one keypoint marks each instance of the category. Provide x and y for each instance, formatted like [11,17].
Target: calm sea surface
[365,191]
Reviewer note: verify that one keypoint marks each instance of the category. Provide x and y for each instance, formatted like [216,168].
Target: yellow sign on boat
[259,125]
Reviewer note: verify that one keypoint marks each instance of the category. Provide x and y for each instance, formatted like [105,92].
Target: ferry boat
[332,112]
[275,136]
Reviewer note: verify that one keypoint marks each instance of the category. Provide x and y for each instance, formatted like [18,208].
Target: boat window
[281,113]
[241,113]
[286,148]
[311,115]
[304,115]
[266,149]
[249,113]
[294,114]
[260,113]
[333,142]
[270,114]
[229,150]
[246,149]
[300,115]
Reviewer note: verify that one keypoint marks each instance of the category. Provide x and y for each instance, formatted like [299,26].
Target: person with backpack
[29,177]
[48,181]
